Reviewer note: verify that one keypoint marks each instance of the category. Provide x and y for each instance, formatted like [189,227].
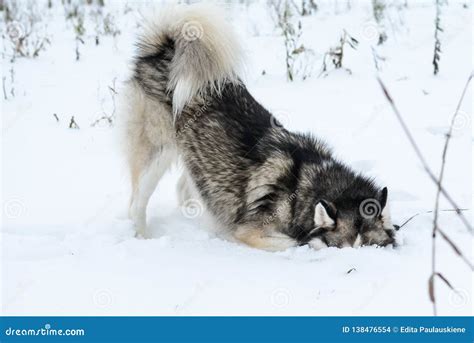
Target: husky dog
[273,189]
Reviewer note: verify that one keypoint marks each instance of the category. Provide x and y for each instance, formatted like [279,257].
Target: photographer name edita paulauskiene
[432,329]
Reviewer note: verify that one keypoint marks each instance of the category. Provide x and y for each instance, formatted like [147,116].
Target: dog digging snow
[271,188]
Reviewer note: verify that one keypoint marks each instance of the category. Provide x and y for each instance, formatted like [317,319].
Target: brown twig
[422,158]
[443,234]
[438,194]
[109,118]
[431,211]
[440,190]
[455,248]
[445,150]
[431,285]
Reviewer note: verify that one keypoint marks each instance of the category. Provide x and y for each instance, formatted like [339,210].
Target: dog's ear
[383,198]
[325,214]
[384,209]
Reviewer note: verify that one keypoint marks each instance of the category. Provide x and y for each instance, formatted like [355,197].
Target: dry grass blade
[445,280]
[440,190]
[422,158]
[455,248]
[431,289]
[438,194]
[431,211]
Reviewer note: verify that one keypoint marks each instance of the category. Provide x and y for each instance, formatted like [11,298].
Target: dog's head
[352,223]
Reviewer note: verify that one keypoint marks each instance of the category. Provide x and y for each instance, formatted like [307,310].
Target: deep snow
[68,248]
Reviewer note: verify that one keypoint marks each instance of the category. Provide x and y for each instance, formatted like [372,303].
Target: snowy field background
[69,249]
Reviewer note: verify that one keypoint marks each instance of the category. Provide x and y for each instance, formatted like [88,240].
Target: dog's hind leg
[150,149]
[145,178]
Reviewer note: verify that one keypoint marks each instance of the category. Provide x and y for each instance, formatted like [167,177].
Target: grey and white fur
[271,188]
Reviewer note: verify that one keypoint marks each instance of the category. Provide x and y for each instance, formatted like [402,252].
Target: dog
[271,188]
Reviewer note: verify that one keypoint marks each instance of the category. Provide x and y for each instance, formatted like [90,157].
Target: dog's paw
[141,234]
[317,244]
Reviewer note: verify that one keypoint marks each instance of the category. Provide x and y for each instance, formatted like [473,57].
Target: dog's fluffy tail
[198,49]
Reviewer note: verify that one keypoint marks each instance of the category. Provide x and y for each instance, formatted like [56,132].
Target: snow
[69,249]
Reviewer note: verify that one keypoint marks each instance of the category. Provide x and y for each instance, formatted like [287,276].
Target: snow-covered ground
[69,249]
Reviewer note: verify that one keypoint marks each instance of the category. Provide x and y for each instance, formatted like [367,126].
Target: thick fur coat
[271,188]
